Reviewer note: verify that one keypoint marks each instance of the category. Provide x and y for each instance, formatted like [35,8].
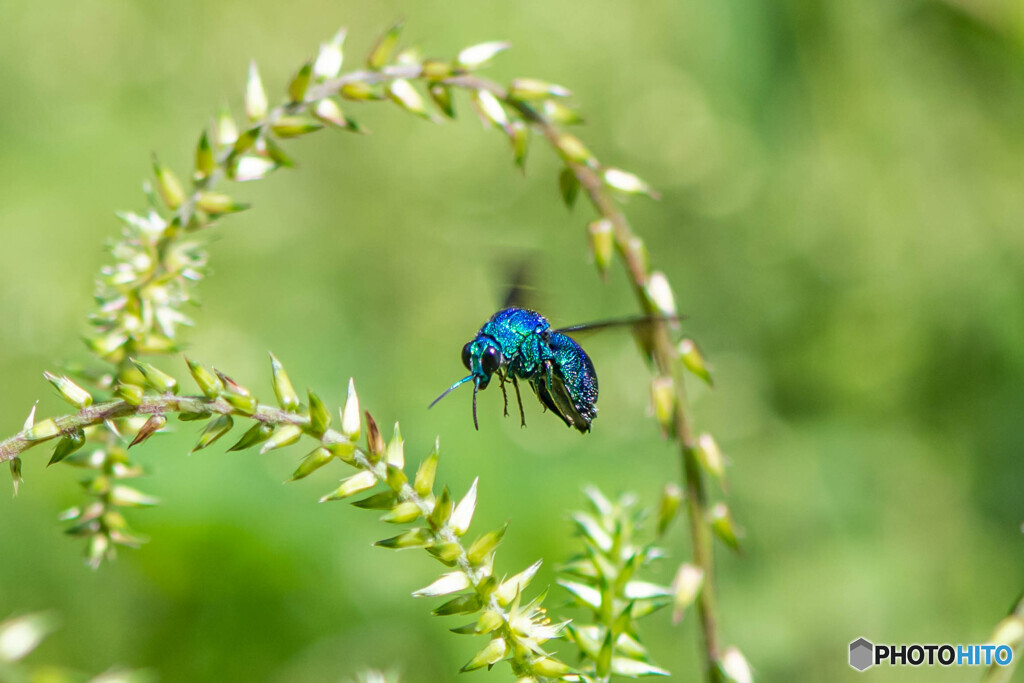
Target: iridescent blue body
[519,344]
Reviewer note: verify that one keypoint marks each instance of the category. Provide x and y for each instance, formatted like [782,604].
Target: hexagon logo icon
[861,654]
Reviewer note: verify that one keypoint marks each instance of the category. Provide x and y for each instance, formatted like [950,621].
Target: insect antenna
[476,388]
[450,389]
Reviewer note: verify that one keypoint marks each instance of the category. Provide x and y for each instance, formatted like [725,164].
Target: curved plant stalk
[159,259]
[516,628]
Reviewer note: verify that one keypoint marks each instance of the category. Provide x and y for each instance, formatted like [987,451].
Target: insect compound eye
[491,360]
[465,355]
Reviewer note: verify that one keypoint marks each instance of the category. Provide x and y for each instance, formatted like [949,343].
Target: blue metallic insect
[519,344]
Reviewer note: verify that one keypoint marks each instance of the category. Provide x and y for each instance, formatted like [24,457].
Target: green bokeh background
[843,195]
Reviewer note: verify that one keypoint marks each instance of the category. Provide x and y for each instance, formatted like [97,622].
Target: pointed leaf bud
[493,653]
[463,604]
[227,131]
[463,515]
[446,553]
[344,451]
[215,428]
[489,109]
[31,419]
[478,55]
[151,426]
[403,513]
[396,479]
[659,294]
[447,584]
[69,391]
[557,112]
[16,478]
[735,666]
[634,668]
[374,441]
[671,497]
[293,127]
[663,400]
[132,394]
[527,89]
[168,185]
[572,150]
[255,435]
[157,379]
[329,59]
[67,445]
[423,484]
[694,361]
[208,382]
[300,83]
[710,456]
[441,94]
[569,186]
[352,485]
[384,47]
[395,454]
[319,416]
[125,496]
[350,415]
[218,204]
[283,389]
[359,91]
[550,667]
[328,111]
[312,462]
[602,243]
[484,546]
[285,435]
[510,588]
[723,526]
[627,182]
[255,95]
[205,162]
[41,431]
[413,538]
[519,137]
[407,97]
[442,509]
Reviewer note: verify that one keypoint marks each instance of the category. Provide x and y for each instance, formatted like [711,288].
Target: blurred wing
[520,292]
[639,323]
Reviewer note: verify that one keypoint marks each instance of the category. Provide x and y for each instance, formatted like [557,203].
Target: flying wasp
[519,344]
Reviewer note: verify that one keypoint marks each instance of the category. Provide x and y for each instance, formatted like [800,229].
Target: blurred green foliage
[840,218]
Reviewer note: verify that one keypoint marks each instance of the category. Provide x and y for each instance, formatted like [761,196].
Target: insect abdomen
[577,372]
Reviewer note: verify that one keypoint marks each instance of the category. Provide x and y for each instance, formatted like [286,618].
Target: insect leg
[519,400]
[504,395]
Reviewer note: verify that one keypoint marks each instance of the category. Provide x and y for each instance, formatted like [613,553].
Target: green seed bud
[710,456]
[694,361]
[413,538]
[671,497]
[312,462]
[256,434]
[150,427]
[395,453]
[255,95]
[663,400]
[384,47]
[157,379]
[132,394]
[349,487]
[69,391]
[67,445]
[484,546]
[41,431]
[285,435]
[350,414]
[493,653]
[602,243]
[723,526]
[297,88]
[168,185]
[208,382]
[402,513]
[534,89]
[16,478]
[424,481]
[205,163]
[283,389]
[216,428]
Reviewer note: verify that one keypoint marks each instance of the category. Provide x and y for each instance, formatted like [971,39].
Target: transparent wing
[637,322]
